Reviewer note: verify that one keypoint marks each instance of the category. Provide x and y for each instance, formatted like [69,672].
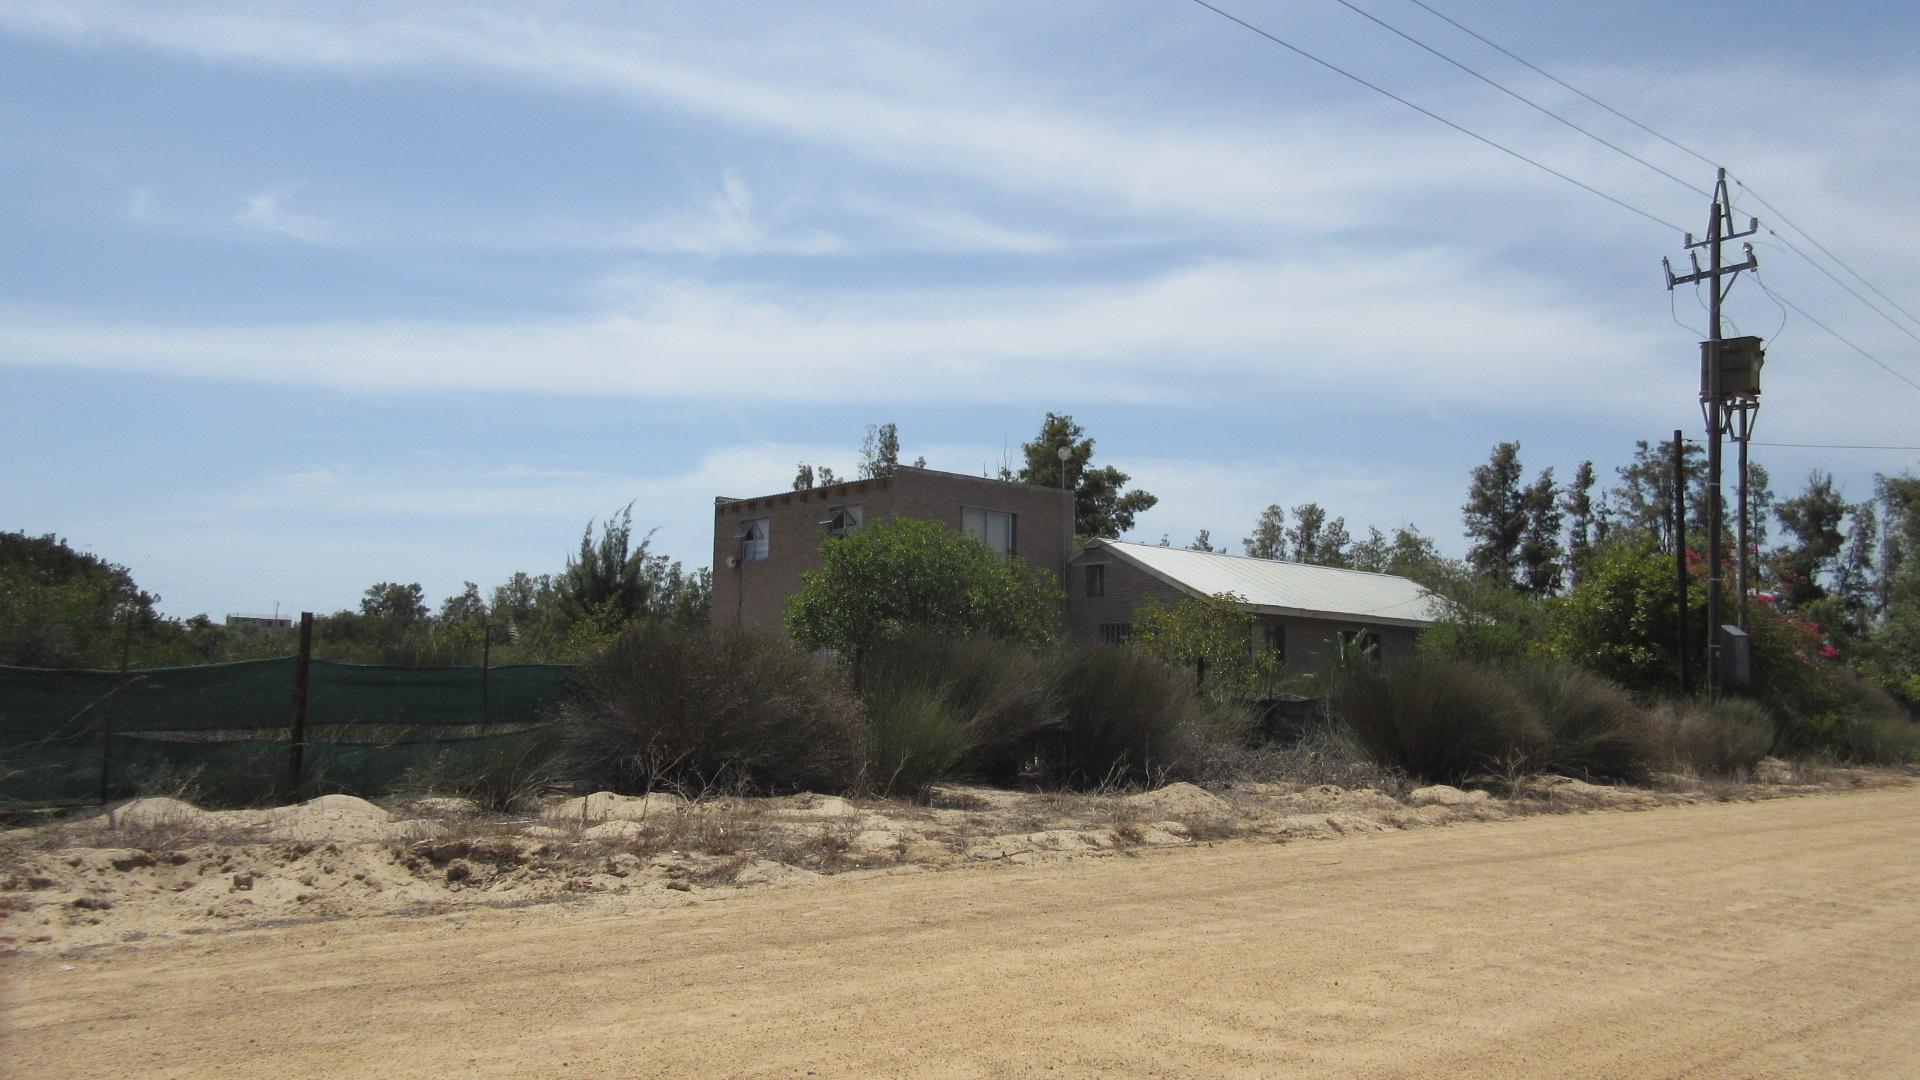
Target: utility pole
[1715,403]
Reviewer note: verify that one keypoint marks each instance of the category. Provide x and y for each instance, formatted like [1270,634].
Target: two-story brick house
[762,545]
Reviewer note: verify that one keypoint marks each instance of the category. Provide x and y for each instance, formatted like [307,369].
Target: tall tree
[1577,504]
[1101,506]
[1496,515]
[1203,541]
[803,477]
[1540,551]
[465,607]
[394,603]
[1269,539]
[880,453]
[1812,518]
[1642,499]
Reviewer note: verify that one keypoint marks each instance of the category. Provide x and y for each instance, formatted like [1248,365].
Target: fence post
[486,664]
[108,726]
[297,748]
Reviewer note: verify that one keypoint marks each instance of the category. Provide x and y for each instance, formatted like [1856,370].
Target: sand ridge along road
[1778,938]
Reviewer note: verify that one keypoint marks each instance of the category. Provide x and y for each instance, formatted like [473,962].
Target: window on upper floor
[753,539]
[842,520]
[1096,574]
[993,528]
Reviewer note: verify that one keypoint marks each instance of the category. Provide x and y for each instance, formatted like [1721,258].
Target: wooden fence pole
[297,747]
[486,664]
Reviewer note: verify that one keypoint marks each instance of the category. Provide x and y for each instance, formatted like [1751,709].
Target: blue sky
[297,298]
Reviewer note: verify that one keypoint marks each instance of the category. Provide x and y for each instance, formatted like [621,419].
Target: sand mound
[817,806]
[616,831]
[328,818]
[1443,795]
[765,872]
[158,813]
[606,806]
[1179,801]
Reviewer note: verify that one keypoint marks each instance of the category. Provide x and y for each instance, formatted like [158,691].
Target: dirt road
[1757,939]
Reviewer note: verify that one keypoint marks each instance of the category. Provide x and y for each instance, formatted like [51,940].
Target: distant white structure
[259,622]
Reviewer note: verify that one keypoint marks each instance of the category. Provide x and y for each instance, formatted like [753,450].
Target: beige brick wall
[756,593]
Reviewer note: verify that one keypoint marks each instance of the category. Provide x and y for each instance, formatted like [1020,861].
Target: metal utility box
[1740,362]
[1736,658]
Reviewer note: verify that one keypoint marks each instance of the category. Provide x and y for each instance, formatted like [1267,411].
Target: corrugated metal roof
[1285,587]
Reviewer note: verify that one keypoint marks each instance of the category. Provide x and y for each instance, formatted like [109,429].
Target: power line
[1747,188]
[1431,115]
[1835,446]
[1518,96]
[1775,211]
[1496,46]
[1798,310]
[1835,278]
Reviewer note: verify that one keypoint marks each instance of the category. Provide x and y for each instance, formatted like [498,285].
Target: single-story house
[1302,611]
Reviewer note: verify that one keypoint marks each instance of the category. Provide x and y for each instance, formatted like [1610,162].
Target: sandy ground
[1751,939]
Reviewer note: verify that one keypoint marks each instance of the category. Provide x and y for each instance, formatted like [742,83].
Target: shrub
[893,579]
[1595,730]
[916,737]
[1209,634]
[1865,725]
[1439,720]
[1724,739]
[709,707]
[1001,692]
[1127,718]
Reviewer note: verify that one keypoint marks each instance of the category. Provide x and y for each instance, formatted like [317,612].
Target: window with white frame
[753,539]
[842,520]
[991,527]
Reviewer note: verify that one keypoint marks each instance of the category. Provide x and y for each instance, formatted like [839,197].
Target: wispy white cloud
[267,210]
[728,224]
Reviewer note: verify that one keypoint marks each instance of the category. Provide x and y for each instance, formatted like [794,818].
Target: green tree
[901,576]
[880,453]
[465,607]
[1269,539]
[1101,506]
[1496,515]
[1812,518]
[1203,541]
[1314,539]
[1643,498]
[1213,637]
[1408,553]
[398,605]
[1585,526]
[1540,551]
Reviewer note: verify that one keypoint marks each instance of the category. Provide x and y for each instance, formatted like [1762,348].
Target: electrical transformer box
[1740,361]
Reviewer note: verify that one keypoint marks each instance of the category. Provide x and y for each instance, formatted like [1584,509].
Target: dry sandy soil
[1773,938]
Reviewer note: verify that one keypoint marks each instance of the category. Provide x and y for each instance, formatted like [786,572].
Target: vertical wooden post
[1680,555]
[113,704]
[297,746]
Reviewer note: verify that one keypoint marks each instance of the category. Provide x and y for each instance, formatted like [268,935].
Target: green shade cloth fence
[76,737]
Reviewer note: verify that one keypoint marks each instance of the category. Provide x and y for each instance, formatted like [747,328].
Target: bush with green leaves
[708,708]
[1439,720]
[999,696]
[1212,636]
[1126,718]
[896,578]
[1726,739]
